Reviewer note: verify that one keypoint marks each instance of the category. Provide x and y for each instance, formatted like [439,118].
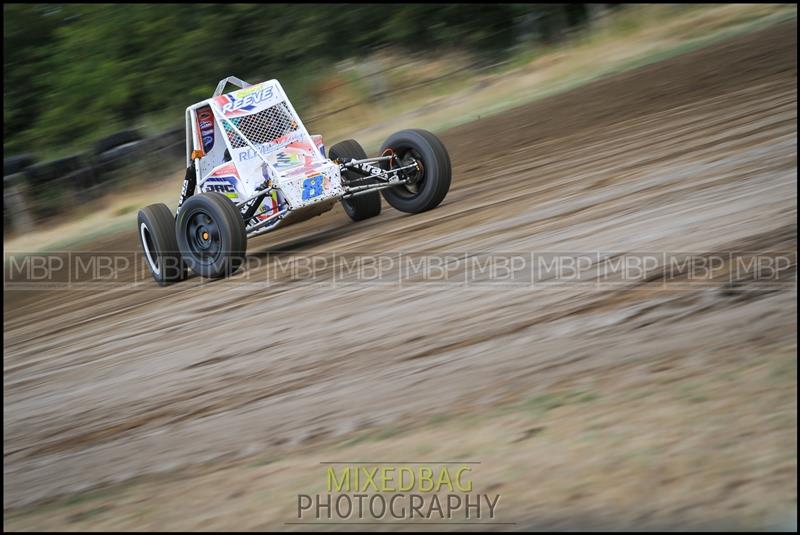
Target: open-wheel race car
[252,167]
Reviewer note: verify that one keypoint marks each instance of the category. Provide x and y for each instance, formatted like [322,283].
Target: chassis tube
[368,160]
[265,222]
[359,190]
[189,184]
[381,174]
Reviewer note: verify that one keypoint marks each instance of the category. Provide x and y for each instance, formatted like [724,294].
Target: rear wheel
[430,182]
[157,237]
[361,206]
[211,235]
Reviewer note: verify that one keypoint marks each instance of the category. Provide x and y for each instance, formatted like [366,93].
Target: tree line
[74,73]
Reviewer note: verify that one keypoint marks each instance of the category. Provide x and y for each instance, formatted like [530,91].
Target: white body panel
[241,142]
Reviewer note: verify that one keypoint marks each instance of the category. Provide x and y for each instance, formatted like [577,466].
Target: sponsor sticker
[246,99]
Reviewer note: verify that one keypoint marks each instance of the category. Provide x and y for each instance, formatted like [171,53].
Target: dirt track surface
[695,154]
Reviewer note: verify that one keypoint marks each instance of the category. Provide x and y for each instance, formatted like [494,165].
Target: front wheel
[157,237]
[211,235]
[430,182]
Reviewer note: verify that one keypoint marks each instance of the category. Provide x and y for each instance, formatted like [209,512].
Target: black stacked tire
[15,164]
[431,183]
[45,172]
[211,235]
[115,140]
[156,227]
[361,206]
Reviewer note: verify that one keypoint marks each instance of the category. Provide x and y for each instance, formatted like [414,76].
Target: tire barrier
[15,164]
[17,215]
[115,140]
[34,192]
[43,173]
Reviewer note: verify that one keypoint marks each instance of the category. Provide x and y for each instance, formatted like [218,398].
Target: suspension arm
[369,171]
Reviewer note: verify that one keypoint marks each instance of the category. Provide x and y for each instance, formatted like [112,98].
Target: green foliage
[76,72]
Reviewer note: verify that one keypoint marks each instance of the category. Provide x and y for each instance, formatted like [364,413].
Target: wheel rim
[417,183]
[203,237]
[148,246]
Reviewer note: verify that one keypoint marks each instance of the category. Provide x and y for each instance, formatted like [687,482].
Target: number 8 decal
[312,187]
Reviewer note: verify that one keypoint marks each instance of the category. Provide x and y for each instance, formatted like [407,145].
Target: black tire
[15,164]
[124,155]
[365,205]
[156,227]
[82,179]
[432,183]
[211,235]
[115,140]
[45,172]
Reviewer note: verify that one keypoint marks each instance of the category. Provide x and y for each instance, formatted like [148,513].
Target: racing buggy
[252,167]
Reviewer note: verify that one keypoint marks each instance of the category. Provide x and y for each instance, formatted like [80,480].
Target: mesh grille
[262,127]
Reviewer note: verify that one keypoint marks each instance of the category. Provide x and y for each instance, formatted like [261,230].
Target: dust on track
[697,153]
